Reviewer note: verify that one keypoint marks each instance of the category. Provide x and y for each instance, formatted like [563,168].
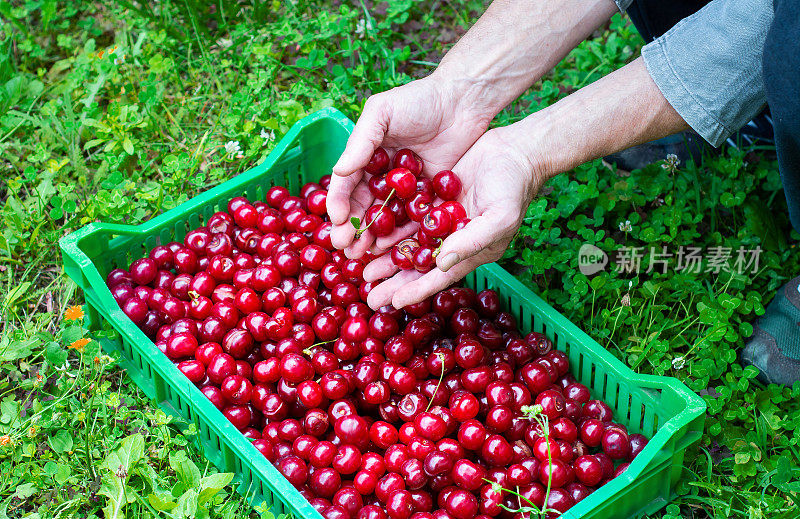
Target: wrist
[525,141]
[478,98]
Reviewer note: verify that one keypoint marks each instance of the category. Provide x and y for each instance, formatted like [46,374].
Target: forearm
[621,110]
[514,44]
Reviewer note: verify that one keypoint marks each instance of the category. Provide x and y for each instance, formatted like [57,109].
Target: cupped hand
[430,116]
[499,181]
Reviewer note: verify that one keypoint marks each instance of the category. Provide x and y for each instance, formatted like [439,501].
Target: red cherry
[353,430]
[468,475]
[413,474]
[399,504]
[378,187]
[295,368]
[430,426]
[552,403]
[496,451]
[364,482]
[638,443]
[418,206]
[347,459]
[455,210]
[423,259]
[616,444]
[378,162]
[559,500]
[383,434]
[588,470]
[135,309]
[436,223]
[557,473]
[405,158]
[462,504]
[403,182]
[403,252]
[349,499]
[237,389]
[380,221]
[238,415]
[447,185]
[293,469]
[591,431]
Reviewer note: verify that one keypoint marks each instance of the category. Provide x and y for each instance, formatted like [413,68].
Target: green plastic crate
[661,408]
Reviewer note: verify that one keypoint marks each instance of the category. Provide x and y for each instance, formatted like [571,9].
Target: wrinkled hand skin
[426,116]
[498,184]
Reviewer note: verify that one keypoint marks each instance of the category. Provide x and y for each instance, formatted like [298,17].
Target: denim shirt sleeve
[708,66]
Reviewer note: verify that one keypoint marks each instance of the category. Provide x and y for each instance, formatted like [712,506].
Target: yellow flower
[79,344]
[73,313]
[5,439]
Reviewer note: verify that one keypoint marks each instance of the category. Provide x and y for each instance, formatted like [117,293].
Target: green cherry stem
[438,384]
[360,230]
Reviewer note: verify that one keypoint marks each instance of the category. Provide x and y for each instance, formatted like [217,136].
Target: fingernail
[448,261]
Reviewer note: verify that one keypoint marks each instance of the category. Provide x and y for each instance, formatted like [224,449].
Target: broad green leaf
[13,349]
[126,456]
[55,354]
[9,410]
[127,145]
[187,504]
[187,472]
[61,441]
[162,503]
[25,490]
[210,485]
[63,473]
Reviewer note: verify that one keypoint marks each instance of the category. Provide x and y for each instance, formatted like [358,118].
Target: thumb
[479,234]
[367,135]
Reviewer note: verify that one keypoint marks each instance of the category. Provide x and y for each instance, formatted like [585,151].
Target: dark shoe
[688,145]
[757,131]
[774,347]
[684,145]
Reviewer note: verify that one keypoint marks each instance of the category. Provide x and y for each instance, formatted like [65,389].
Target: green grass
[87,134]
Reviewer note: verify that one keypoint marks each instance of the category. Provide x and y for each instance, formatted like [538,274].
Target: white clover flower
[267,135]
[678,363]
[672,162]
[627,227]
[232,148]
[626,300]
[363,26]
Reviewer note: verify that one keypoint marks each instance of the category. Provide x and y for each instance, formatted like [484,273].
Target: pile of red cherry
[428,412]
[403,194]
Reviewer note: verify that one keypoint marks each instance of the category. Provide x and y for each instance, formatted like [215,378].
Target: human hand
[434,117]
[499,181]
